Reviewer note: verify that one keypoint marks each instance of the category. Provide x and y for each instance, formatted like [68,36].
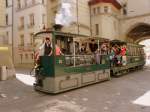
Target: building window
[25,2]
[31,38]
[7,34]
[43,19]
[97,29]
[22,40]
[6,38]
[26,56]
[19,4]
[98,10]
[43,1]
[31,16]
[105,9]
[32,56]
[125,9]
[7,19]
[33,1]
[21,23]
[6,3]
[94,11]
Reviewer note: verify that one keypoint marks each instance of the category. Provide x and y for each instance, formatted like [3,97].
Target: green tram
[75,67]
[135,58]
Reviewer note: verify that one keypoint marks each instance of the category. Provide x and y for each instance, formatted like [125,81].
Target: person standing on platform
[44,50]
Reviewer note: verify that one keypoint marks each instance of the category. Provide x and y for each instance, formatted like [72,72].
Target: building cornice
[28,7]
[137,16]
[114,2]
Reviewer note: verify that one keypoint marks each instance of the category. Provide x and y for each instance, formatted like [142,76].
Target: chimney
[57,27]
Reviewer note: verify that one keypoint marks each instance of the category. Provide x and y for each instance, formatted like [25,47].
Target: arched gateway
[137,28]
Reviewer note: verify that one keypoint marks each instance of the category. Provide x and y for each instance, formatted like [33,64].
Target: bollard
[3,73]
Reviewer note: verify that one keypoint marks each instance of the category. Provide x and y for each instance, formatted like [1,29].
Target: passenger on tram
[58,50]
[44,50]
[119,57]
[104,49]
[116,59]
[98,56]
[93,46]
[47,47]
[112,56]
[123,54]
[83,49]
[77,50]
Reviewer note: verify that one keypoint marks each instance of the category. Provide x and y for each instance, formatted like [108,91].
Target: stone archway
[129,23]
[138,32]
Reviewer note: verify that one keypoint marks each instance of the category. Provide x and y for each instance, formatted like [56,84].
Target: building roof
[114,2]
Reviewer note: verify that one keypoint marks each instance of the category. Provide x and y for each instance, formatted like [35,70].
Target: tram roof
[127,43]
[57,33]
[118,42]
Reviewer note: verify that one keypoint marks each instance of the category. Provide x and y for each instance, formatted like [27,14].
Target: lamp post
[77,12]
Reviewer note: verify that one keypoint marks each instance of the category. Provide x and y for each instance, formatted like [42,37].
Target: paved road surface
[116,95]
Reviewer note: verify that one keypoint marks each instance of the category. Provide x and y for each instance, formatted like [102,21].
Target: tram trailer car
[55,74]
[135,59]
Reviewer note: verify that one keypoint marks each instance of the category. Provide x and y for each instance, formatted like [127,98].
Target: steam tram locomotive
[83,60]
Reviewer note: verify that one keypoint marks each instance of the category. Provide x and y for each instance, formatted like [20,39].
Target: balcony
[27,5]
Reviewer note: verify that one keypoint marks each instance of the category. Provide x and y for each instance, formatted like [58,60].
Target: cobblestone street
[116,95]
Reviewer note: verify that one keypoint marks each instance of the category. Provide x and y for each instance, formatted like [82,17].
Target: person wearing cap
[45,49]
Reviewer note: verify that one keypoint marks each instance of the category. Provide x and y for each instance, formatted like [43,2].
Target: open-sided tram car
[73,69]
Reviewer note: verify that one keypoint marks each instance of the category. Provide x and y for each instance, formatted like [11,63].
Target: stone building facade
[2,21]
[29,16]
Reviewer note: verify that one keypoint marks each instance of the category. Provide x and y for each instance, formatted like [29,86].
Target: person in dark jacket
[47,47]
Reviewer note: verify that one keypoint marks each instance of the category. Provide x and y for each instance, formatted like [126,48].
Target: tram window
[128,53]
[132,51]
[65,44]
[87,52]
[135,51]
[138,51]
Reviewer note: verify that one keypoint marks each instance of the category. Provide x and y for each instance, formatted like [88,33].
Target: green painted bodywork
[55,66]
[132,61]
